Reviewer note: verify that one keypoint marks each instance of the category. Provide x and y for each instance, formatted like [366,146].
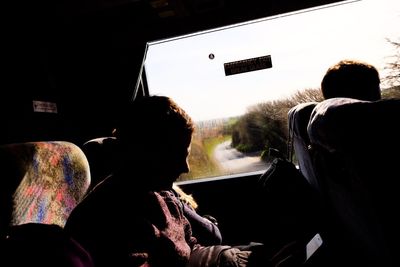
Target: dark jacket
[128,229]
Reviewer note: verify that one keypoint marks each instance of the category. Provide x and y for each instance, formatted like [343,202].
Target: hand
[234,257]
[139,259]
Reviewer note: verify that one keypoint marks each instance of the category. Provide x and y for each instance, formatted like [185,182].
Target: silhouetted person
[134,217]
[351,132]
[352,79]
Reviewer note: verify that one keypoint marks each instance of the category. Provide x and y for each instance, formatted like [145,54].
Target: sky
[302,45]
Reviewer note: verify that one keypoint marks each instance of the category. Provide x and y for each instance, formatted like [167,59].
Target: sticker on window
[246,65]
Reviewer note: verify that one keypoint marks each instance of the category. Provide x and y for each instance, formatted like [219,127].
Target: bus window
[238,82]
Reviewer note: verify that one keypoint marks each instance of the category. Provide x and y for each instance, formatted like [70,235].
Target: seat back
[356,149]
[298,118]
[41,182]
[44,245]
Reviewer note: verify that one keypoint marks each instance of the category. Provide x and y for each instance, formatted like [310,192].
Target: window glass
[239,99]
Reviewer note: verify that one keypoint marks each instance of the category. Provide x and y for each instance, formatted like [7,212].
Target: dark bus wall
[85,56]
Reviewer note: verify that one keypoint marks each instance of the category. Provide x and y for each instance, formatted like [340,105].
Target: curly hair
[151,118]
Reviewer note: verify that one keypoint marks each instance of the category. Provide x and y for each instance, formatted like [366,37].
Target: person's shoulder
[169,195]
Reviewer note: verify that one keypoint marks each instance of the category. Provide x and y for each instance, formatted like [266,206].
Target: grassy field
[201,159]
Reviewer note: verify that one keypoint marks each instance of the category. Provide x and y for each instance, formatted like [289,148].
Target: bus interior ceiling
[85,57]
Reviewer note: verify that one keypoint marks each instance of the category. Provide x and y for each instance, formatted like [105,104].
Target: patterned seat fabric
[41,182]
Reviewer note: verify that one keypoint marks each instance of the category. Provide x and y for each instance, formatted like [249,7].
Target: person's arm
[204,228]
[205,231]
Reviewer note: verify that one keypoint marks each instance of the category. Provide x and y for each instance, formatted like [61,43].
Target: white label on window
[42,106]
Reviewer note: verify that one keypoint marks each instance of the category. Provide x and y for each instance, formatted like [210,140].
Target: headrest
[41,182]
[299,115]
[100,154]
[337,124]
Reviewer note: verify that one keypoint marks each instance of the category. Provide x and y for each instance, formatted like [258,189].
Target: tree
[392,78]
